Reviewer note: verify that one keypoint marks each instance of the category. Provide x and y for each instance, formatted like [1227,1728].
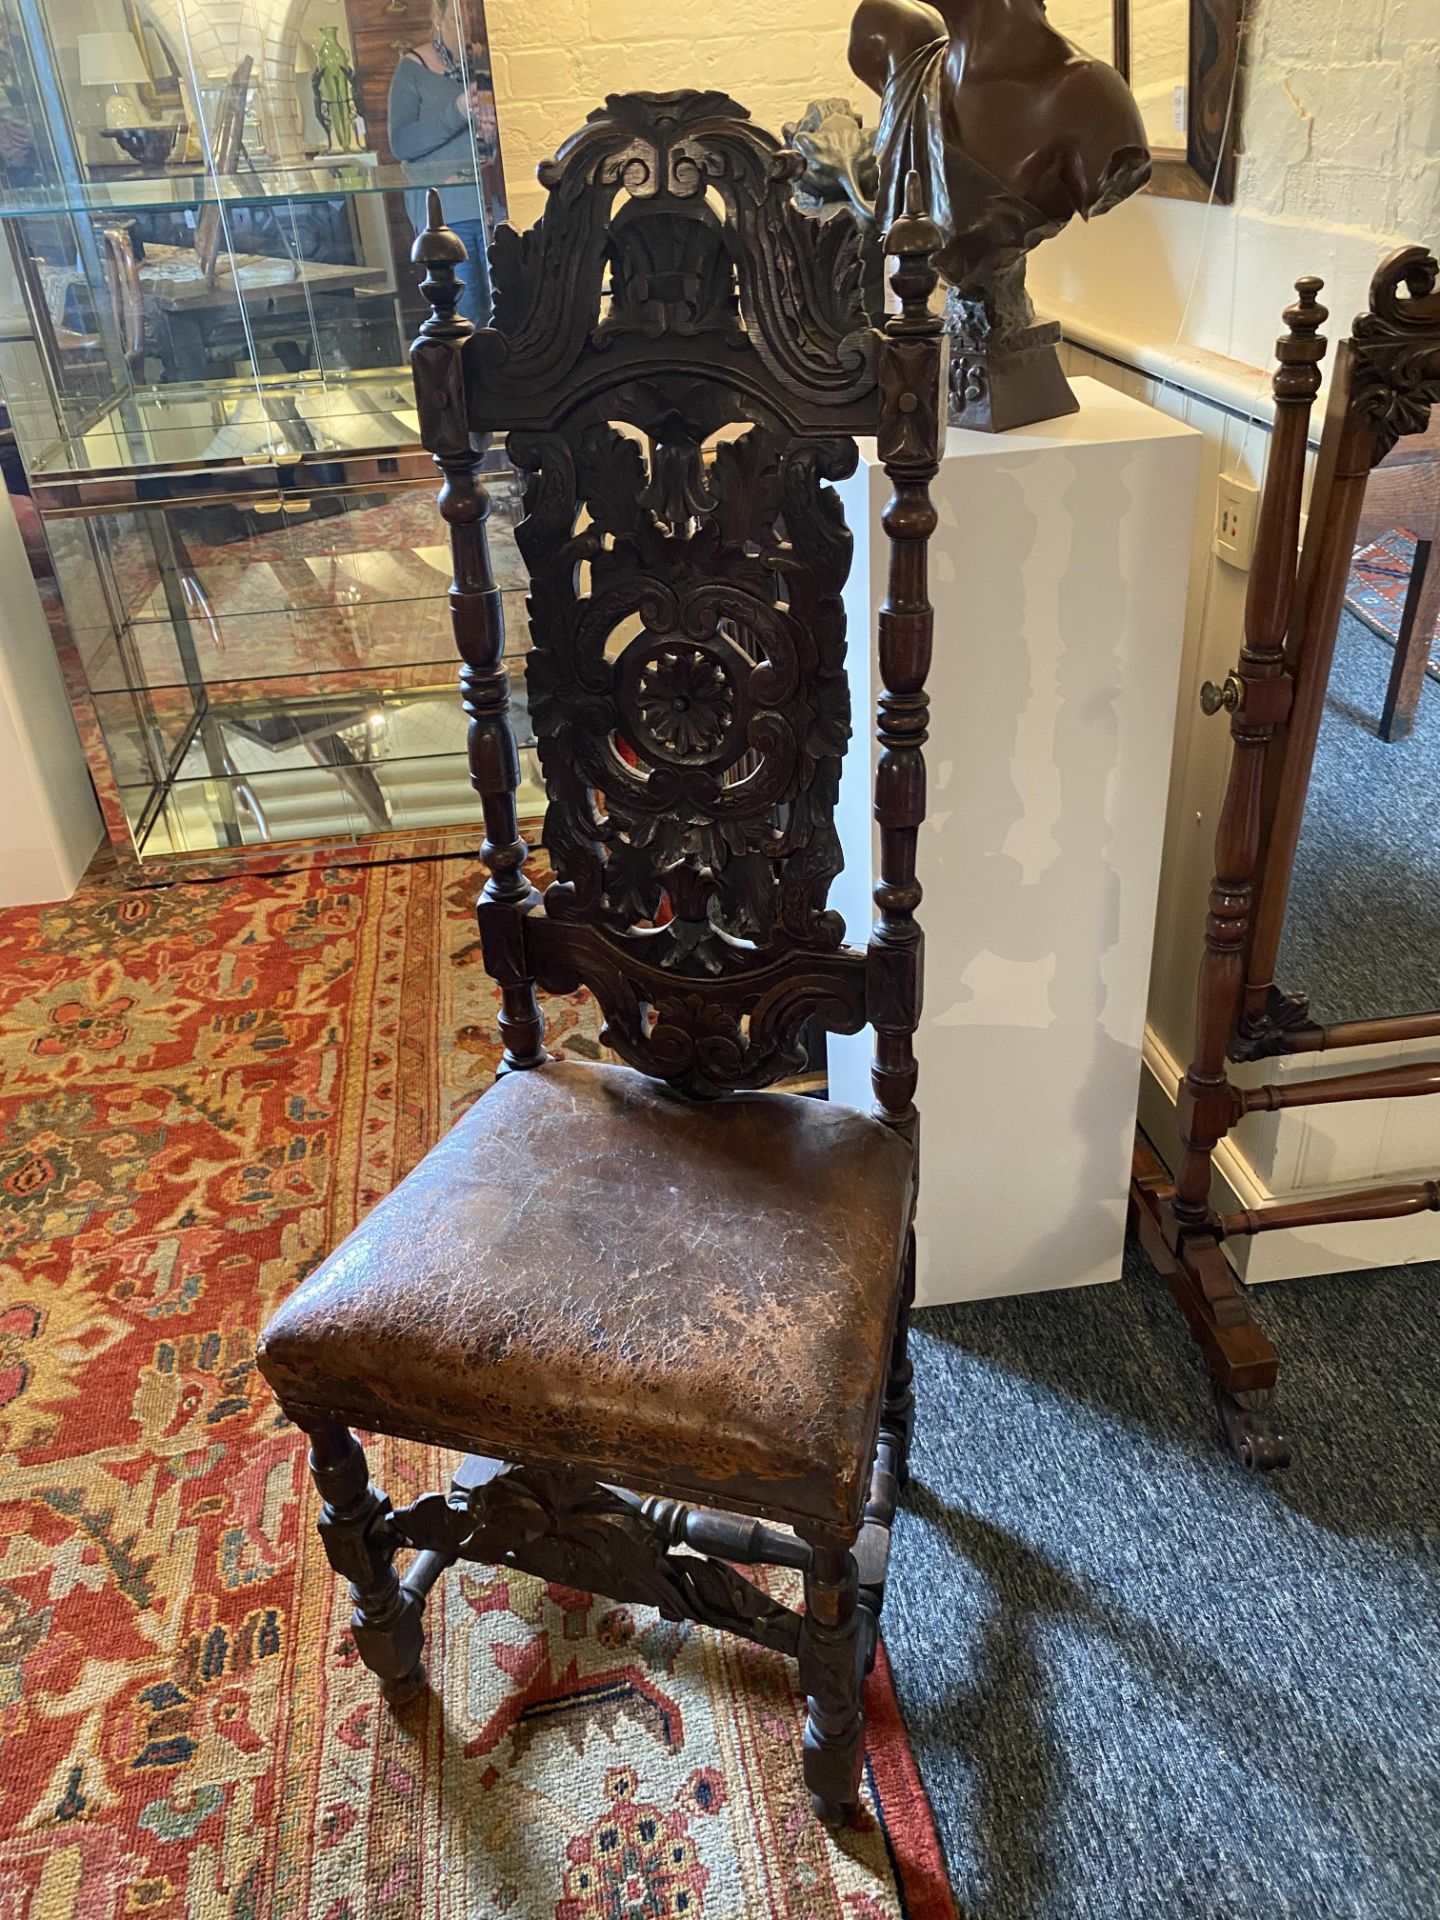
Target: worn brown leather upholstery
[687,1298]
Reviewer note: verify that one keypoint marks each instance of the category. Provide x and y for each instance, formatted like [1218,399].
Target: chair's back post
[908,443]
[437,358]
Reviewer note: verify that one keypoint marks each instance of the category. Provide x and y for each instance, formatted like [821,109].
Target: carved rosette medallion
[684,701]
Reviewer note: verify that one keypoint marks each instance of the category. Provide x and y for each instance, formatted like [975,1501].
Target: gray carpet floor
[1142,1684]
[1362,930]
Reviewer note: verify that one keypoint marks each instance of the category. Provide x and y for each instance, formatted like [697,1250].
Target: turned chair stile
[664,1304]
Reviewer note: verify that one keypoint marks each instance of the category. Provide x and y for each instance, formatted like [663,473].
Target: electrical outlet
[1235,504]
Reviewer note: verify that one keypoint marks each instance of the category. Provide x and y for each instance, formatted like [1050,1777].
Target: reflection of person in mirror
[17,143]
[442,129]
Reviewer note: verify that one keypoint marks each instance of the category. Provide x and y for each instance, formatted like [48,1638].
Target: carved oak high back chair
[655,1276]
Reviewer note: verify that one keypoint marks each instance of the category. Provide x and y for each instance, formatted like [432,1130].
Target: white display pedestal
[49,822]
[1058,574]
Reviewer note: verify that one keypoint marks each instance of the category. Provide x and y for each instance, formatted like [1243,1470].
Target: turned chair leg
[898,1417]
[832,1672]
[1412,646]
[387,1622]
[891,1470]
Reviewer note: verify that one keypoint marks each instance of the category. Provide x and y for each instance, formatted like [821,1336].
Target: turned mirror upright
[1324,924]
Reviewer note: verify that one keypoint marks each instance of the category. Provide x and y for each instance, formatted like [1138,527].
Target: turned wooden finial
[1300,351]
[914,239]
[440,251]
[1307,313]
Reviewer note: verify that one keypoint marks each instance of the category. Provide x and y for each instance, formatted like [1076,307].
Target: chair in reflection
[668,1300]
[1386,379]
[1403,499]
[127,297]
[68,342]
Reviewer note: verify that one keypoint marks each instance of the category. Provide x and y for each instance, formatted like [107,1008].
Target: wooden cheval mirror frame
[1386,379]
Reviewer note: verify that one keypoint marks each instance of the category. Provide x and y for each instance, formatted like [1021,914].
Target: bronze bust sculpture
[1012,130]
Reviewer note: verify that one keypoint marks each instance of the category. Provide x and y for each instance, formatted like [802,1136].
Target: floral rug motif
[1379,581]
[201,1090]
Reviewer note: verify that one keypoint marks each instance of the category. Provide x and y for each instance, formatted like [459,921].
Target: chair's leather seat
[685,1298]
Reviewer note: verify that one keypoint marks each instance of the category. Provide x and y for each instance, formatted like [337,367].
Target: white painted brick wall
[555,61]
[1340,163]
[1341,138]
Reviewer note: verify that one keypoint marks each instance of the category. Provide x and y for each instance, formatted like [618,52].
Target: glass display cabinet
[205,303]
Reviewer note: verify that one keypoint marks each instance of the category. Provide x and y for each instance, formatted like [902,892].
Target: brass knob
[1213,698]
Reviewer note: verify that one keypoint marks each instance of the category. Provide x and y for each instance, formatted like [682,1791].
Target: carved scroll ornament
[1395,378]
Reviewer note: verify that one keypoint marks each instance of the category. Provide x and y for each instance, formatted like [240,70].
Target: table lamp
[113,60]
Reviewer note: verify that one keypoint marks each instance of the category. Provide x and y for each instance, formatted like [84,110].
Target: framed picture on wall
[160,94]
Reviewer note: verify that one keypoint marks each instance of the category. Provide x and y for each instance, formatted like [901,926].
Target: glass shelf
[268,810]
[274,419]
[280,645]
[180,188]
[289,675]
[337,582]
[361,759]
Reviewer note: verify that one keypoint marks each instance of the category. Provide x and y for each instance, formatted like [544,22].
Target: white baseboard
[1296,1253]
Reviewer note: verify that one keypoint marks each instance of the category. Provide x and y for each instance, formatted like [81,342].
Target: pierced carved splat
[680,363]
[691,709]
[680,360]
[690,705]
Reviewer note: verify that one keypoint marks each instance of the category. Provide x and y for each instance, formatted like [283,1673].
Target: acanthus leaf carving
[1395,375]
[765,279]
[747,480]
[754,1016]
[614,468]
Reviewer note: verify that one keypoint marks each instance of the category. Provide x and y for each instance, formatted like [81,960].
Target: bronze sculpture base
[1007,384]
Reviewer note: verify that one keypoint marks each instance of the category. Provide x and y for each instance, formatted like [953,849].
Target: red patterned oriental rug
[202,1090]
